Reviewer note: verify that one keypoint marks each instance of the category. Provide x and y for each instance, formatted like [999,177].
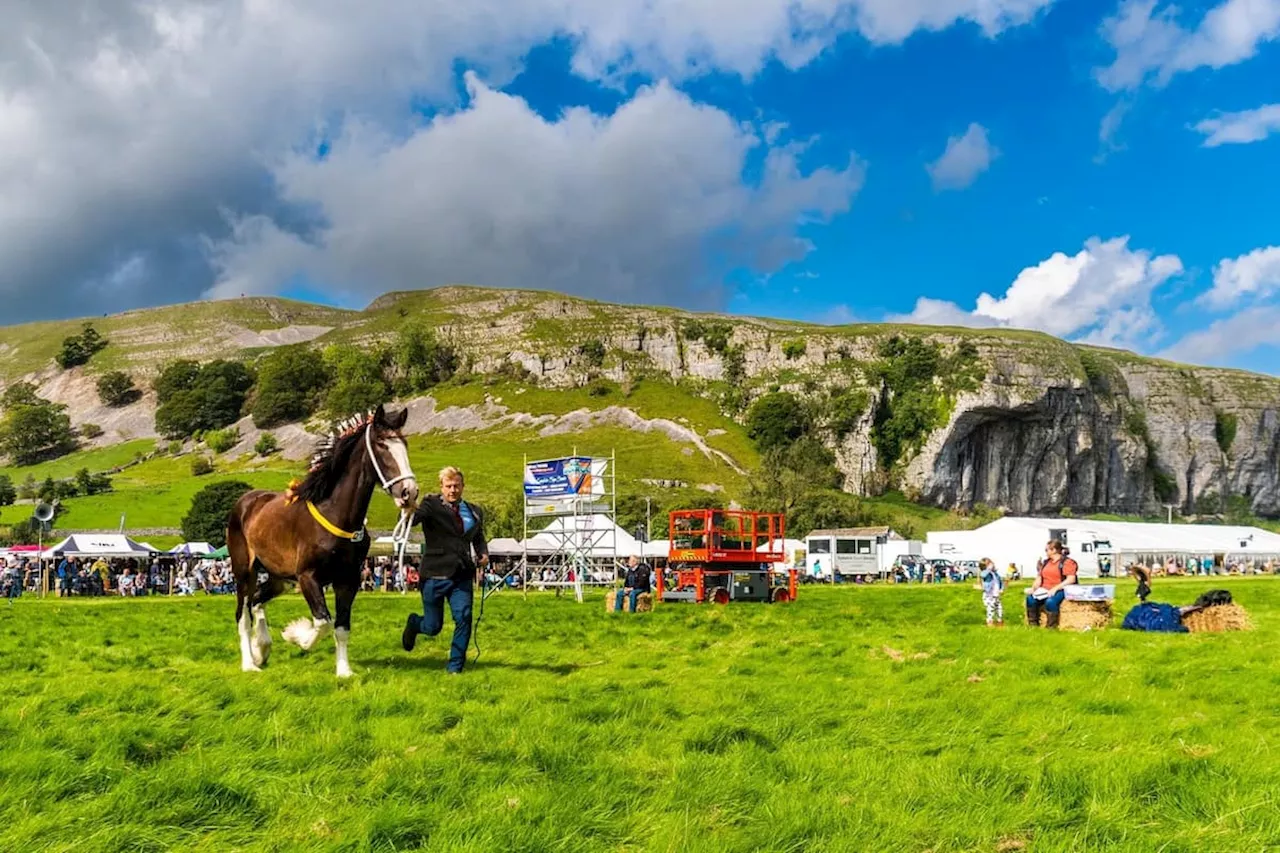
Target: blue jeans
[1052,604]
[635,595]
[459,595]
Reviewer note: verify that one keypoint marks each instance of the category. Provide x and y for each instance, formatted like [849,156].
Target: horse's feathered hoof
[304,633]
[250,667]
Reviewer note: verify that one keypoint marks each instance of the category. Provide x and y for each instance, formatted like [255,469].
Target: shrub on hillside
[201,465]
[8,493]
[90,431]
[117,389]
[776,420]
[291,381]
[222,440]
[266,445]
[592,353]
[206,521]
[78,349]
[794,349]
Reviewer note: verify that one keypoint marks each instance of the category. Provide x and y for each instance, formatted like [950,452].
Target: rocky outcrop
[1057,442]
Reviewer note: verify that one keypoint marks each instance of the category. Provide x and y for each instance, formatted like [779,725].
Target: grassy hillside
[883,719]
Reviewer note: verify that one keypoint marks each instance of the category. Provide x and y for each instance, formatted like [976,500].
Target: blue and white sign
[558,478]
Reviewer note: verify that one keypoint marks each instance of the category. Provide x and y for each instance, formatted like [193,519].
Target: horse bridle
[377,469]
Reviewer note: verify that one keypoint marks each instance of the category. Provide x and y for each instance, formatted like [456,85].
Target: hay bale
[1223,617]
[644,602]
[1082,615]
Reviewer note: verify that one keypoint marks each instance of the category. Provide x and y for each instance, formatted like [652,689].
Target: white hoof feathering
[305,633]
[247,661]
[260,642]
[340,639]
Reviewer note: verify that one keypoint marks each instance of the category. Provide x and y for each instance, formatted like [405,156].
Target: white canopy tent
[188,549]
[790,547]
[1020,541]
[99,545]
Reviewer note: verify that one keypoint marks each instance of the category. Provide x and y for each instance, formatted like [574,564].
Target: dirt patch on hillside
[295,442]
[79,393]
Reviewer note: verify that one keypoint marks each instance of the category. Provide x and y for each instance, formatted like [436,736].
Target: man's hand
[484,561]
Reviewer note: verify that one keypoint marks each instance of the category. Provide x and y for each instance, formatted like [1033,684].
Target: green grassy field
[855,719]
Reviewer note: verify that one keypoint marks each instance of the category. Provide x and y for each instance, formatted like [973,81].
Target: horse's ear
[398,420]
[380,414]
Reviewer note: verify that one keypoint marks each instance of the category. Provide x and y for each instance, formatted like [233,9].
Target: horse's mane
[330,458]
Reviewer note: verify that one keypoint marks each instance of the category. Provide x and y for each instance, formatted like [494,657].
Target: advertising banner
[559,478]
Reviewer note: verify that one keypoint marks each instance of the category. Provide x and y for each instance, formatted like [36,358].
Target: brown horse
[314,534]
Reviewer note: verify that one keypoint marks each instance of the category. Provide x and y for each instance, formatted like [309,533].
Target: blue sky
[1117,160]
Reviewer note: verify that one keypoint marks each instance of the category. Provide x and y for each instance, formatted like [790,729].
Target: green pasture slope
[861,719]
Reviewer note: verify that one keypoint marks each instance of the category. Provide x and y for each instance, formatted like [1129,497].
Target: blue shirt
[468,517]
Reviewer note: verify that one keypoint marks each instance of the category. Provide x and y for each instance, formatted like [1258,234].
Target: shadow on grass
[438,662]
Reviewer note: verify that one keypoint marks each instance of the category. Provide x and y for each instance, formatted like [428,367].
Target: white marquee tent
[99,545]
[1021,541]
[187,549]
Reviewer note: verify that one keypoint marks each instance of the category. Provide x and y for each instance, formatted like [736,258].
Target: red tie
[457,514]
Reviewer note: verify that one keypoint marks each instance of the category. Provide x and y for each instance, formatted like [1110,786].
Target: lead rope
[400,539]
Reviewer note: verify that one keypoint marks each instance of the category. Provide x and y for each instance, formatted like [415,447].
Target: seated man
[1056,572]
[636,582]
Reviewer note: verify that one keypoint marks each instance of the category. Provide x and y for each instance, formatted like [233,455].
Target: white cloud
[966,157]
[1151,45]
[1249,277]
[1225,340]
[1101,294]
[129,129]
[633,206]
[1242,127]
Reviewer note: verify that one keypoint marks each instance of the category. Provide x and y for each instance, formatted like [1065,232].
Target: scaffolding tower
[578,494]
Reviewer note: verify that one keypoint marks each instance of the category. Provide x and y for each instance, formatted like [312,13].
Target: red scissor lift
[727,555]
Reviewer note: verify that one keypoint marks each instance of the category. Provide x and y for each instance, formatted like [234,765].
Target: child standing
[992,589]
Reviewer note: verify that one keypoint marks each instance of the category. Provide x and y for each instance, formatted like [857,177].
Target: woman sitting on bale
[1056,572]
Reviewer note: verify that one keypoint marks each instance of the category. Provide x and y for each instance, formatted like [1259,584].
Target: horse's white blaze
[400,455]
[247,663]
[305,633]
[260,642]
[340,638]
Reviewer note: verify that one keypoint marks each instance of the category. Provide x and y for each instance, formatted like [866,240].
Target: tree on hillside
[206,521]
[29,434]
[8,493]
[177,376]
[776,420]
[420,360]
[291,381]
[358,383]
[790,475]
[194,397]
[78,349]
[116,388]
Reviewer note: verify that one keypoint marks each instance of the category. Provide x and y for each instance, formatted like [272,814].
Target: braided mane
[330,458]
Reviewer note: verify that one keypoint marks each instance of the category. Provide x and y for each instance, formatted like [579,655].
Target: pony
[313,534]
